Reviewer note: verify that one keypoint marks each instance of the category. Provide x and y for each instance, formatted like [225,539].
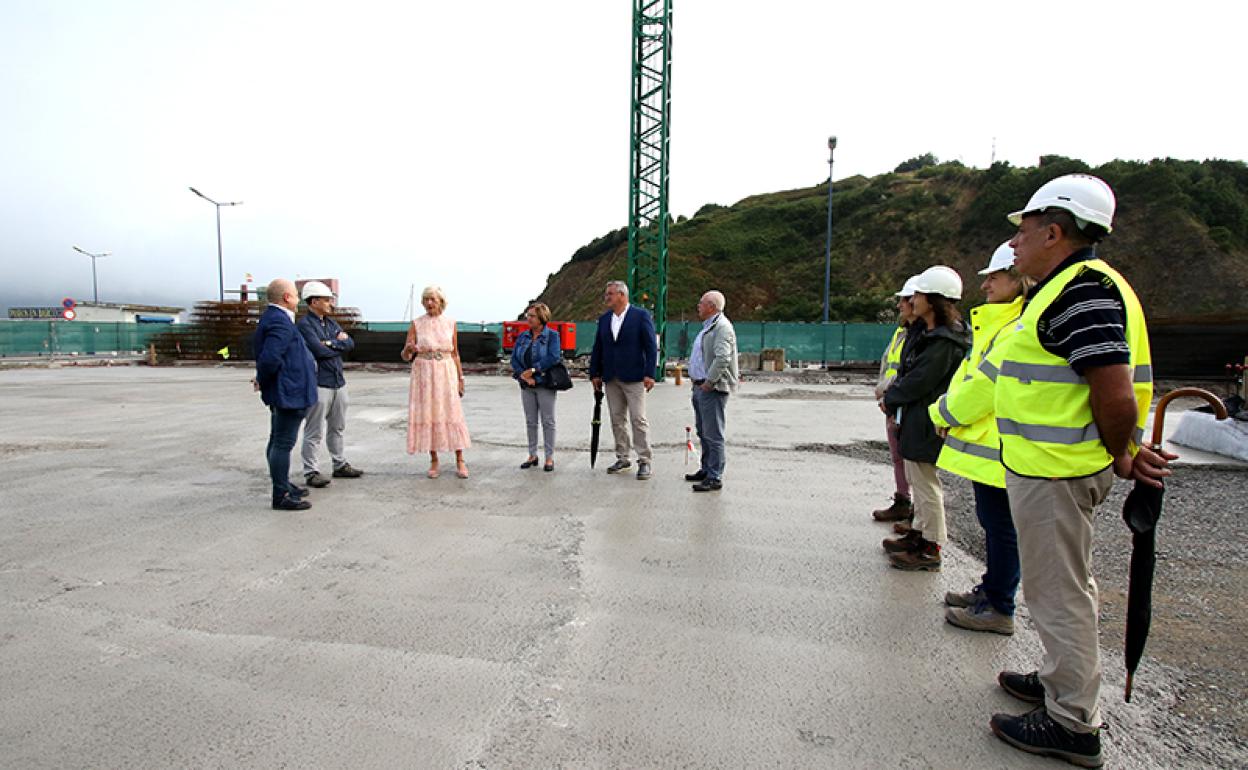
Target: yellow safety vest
[1044,412]
[973,449]
[892,355]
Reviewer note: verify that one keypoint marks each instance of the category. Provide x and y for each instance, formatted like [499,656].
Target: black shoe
[1037,733]
[345,471]
[620,465]
[708,485]
[695,476]
[1025,687]
[316,480]
[529,463]
[289,503]
[298,491]
[549,467]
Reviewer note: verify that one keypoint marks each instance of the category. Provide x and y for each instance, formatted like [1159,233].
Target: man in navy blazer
[625,353]
[286,376]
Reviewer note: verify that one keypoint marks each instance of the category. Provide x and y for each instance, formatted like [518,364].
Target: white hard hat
[1002,259]
[1088,198]
[313,289]
[941,280]
[907,288]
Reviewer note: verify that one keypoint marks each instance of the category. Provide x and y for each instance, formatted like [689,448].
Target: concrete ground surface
[156,613]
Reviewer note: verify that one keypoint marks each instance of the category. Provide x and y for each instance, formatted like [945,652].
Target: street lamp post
[95,287]
[827,263]
[220,267]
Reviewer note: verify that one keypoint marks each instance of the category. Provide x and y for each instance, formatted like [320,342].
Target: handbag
[557,378]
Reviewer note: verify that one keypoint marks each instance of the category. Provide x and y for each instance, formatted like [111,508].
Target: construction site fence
[800,341]
[50,338]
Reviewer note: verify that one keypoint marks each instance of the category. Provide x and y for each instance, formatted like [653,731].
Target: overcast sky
[477,145]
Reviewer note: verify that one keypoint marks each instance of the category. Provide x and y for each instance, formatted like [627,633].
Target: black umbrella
[596,427]
[1141,511]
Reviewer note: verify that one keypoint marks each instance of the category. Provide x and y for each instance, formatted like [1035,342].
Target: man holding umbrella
[1072,397]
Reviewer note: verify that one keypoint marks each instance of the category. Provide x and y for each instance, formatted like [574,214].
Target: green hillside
[1181,237]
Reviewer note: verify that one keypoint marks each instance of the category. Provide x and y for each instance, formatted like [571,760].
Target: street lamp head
[205,197]
[831,142]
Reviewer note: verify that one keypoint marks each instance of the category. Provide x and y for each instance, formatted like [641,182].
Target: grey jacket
[719,355]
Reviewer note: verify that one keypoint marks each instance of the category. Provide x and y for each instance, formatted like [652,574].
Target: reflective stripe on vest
[1044,413]
[965,447]
[945,413]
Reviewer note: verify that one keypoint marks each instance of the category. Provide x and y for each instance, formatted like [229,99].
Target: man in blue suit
[286,376]
[625,353]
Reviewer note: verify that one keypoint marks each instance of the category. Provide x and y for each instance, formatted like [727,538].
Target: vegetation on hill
[1180,236]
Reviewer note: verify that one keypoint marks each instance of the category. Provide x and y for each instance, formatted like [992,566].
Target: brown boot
[902,527]
[904,544]
[901,510]
[925,557]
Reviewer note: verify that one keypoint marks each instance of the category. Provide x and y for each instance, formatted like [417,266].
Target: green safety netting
[33,338]
[801,341]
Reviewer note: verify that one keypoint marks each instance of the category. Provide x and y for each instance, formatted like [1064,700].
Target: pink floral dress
[435,417]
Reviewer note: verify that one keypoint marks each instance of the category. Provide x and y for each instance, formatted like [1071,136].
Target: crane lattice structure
[648,156]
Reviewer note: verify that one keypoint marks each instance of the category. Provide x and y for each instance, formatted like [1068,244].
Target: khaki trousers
[1054,522]
[627,402]
[928,499]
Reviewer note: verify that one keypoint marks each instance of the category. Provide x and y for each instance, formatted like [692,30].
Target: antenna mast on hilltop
[648,162]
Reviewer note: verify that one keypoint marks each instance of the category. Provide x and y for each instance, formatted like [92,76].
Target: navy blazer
[285,368]
[633,356]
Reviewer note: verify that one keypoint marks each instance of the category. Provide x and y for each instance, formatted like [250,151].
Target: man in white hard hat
[328,417]
[1072,395]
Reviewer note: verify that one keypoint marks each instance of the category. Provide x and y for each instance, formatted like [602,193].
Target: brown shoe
[926,557]
[904,544]
[901,510]
[902,527]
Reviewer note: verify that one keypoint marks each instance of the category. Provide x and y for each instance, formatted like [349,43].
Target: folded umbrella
[595,428]
[1141,511]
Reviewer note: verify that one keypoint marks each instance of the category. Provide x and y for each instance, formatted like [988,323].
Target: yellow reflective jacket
[1044,411]
[973,449]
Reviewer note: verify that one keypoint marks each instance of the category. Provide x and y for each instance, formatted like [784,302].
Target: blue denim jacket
[546,353]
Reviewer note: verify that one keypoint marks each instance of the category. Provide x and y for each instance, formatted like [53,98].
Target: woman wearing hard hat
[925,372]
[972,449]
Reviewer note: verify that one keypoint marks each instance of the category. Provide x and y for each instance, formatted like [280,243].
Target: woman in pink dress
[435,417]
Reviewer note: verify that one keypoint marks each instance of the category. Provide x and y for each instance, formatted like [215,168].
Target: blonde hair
[436,293]
[541,311]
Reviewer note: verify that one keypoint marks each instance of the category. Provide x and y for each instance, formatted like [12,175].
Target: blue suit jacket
[633,356]
[285,369]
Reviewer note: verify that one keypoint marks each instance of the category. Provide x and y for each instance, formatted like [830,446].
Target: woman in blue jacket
[536,351]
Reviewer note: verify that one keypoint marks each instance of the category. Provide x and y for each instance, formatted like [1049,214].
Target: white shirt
[288,312]
[617,320]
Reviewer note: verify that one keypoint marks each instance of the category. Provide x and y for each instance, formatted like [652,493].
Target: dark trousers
[283,431]
[1000,581]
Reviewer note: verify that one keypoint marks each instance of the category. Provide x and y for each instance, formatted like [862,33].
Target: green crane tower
[648,162]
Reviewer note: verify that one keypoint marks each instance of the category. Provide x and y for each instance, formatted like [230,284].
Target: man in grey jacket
[713,370]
